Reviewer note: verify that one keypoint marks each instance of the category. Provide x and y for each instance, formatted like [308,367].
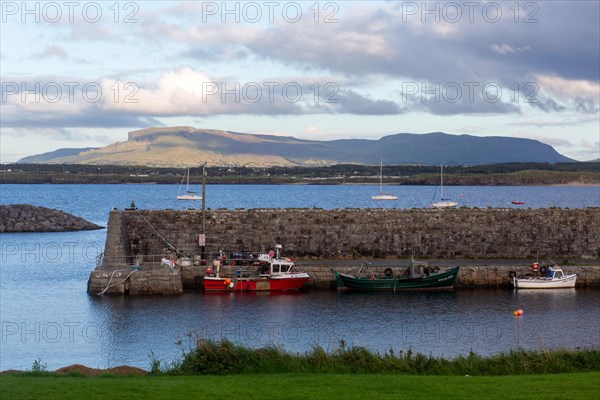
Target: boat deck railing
[237,259]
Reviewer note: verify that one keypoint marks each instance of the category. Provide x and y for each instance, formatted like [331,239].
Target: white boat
[383,196]
[443,203]
[189,195]
[554,278]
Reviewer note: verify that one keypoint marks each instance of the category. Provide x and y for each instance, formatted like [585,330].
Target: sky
[84,74]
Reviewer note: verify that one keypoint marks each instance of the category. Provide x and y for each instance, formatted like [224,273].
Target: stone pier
[487,243]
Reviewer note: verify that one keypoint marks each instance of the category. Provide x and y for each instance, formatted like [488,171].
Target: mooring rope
[114,284]
[177,251]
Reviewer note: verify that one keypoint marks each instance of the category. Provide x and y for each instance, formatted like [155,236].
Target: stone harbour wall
[328,240]
[425,233]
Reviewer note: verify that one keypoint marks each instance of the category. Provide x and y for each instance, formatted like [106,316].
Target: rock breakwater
[28,218]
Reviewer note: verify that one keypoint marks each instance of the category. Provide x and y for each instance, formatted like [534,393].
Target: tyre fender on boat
[543,270]
[388,272]
[512,274]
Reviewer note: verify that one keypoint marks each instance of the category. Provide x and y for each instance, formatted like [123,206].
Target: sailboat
[189,195]
[383,196]
[443,203]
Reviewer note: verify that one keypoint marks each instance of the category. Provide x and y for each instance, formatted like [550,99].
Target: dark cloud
[547,104]
[368,46]
[560,38]
[353,103]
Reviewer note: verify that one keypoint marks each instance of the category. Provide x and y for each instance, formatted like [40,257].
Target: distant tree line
[402,174]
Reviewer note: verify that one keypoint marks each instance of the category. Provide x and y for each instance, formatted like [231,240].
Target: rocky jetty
[28,218]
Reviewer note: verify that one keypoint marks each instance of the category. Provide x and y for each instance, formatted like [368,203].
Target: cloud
[506,48]
[51,51]
[552,141]
[567,88]
[380,40]
[562,121]
[58,134]
[183,91]
[95,119]
[547,104]
[471,129]
[365,52]
[586,106]
[588,150]
[353,103]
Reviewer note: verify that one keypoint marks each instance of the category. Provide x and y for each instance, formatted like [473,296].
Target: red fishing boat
[269,273]
[518,202]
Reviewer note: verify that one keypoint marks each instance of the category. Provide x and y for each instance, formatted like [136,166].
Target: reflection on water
[108,331]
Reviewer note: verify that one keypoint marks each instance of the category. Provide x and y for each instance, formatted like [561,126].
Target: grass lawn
[584,385]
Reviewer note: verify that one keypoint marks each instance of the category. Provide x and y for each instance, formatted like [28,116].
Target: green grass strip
[304,386]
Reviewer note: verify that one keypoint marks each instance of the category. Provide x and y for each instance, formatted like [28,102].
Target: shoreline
[318,360]
[320,183]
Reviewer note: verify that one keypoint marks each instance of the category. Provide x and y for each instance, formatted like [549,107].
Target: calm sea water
[46,314]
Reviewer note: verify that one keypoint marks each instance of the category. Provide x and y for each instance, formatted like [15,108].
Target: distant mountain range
[179,146]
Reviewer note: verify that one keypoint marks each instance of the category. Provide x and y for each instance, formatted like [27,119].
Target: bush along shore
[226,358]
[28,218]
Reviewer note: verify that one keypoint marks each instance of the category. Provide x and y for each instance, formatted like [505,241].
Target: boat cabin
[281,266]
[555,273]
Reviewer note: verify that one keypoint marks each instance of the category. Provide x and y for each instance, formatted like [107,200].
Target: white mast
[442,180]
[188,180]
[381,177]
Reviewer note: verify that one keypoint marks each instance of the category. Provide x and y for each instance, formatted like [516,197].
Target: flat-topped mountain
[51,155]
[177,146]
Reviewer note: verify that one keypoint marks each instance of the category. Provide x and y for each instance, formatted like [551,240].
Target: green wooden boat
[419,278]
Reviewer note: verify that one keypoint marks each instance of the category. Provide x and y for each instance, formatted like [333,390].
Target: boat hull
[189,197]
[290,282]
[438,281]
[565,282]
[384,197]
[445,204]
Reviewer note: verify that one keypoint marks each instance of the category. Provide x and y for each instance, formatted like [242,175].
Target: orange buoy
[515,313]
